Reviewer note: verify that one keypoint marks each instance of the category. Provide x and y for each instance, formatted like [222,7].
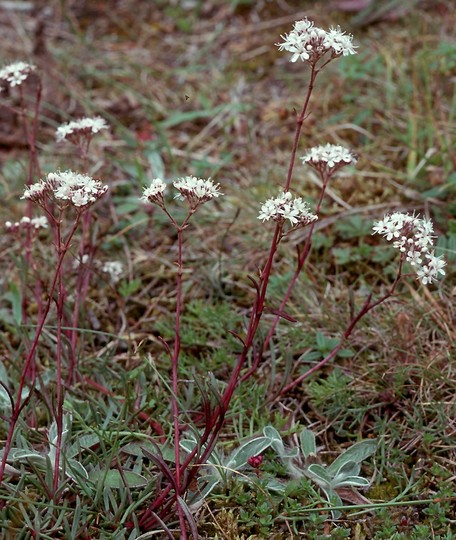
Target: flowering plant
[186,465]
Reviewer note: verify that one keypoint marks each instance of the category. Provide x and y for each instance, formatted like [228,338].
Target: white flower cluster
[78,189]
[114,269]
[195,190]
[82,128]
[154,193]
[26,222]
[310,43]
[328,158]
[284,207]
[15,74]
[413,237]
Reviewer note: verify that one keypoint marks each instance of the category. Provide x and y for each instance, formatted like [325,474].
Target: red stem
[300,120]
[367,307]
[31,355]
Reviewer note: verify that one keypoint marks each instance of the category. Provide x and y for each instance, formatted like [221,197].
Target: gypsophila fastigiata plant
[317,48]
[65,197]
[187,464]
[58,195]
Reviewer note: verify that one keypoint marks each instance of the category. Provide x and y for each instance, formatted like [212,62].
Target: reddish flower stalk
[366,308]
[30,133]
[187,471]
[19,403]
[82,283]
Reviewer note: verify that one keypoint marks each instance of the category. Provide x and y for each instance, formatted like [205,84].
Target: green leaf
[319,474]
[357,453]
[350,468]
[321,340]
[76,470]
[127,288]
[26,456]
[356,481]
[5,402]
[157,167]
[113,479]
[308,445]
[251,448]
[276,439]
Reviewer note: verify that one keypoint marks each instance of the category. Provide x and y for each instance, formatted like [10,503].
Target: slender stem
[59,398]
[302,257]
[366,308]
[82,283]
[299,121]
[216,421]
[31,354]
[175,373]
[212,429]
[175,359]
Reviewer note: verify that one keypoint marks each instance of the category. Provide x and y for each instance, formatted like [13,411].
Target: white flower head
[76,189]
[36,192]
[196,190]
[412,236]
[284,207]
[15,74]
[79,190]
[154,193]
[25,222]
[114,269]
[84,128]
[329,158]
[340,42]
[309,43]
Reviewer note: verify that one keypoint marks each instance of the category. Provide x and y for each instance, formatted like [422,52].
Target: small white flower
[82,128]
[15,74]
[430,272]
[114,269]
[309,43]
[79,190]
[196,190]
[329,158]
[412,237]
[340,42]
[284,207]
[155,192]
[414,257]
[36,192]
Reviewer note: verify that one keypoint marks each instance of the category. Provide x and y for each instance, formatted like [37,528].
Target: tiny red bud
[255,461]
